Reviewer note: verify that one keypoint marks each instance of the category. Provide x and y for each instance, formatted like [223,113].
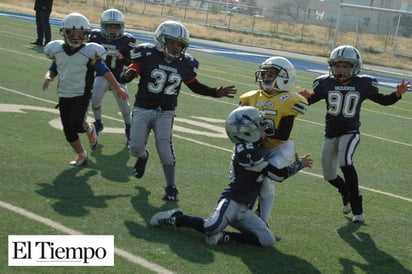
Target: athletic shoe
[79,161]
[347,208]
[140,166]
[93,140]
[166,217]
[171,193]
[98,126]
[215,238]
[37,43]
[359,218]
[220,237]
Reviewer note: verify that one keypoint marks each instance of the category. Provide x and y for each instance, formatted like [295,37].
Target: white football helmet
[115,17]
[75,21]
[175,31]
[348,54]
[285,78]
[244,124]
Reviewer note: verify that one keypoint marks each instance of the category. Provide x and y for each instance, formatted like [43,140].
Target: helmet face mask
[173,49]
[245,124]
[112,24]
[76,38]
[344,62]
[75,29]
[170,32]
[276,73]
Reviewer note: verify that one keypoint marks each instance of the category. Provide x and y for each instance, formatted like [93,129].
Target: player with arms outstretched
[162,68]
[276,77]
[245,128]
[344,90]
[74,63]
[118,45]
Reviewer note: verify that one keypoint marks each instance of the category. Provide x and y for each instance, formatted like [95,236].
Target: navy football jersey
[123,45]
[343,101]
[160,81]
[246,176]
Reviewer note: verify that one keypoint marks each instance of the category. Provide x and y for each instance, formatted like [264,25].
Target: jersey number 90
[346,104]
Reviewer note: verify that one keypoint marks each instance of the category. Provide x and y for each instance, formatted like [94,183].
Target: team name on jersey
[265,104]
[111,49]
[349,88]
[167,68]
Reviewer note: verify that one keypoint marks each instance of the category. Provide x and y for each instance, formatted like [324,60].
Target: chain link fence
[371,30]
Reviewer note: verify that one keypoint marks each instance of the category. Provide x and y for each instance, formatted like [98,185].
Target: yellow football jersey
[275,106]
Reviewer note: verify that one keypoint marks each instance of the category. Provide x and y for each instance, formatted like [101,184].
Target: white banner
[61,250]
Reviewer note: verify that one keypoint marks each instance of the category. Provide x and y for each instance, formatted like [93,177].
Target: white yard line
[59,227]
[124,254]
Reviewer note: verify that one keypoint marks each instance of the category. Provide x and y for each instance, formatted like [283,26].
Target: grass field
[41,194]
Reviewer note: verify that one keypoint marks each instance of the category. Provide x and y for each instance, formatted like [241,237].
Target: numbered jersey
[344,101]
[246,176]
[75,69]
[275,107]
[122,45]
[160,81]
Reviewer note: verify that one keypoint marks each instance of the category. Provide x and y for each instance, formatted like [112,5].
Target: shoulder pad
[249,93]
[298,98]
[300,103]
[94,31]
[250,157]
[131,40]
[318,79]
[321,77]
[142,50]
[189,59]
[94,50]
[129,35]
[146,46]
[53,47]
[371,80]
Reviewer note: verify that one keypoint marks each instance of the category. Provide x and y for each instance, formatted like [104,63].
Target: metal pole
[395,36]
[335,37]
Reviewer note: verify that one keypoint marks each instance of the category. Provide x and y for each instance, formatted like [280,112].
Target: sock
[340,184]
[99,122]
[266,199]
[351,179]
[192,222]
[169,171]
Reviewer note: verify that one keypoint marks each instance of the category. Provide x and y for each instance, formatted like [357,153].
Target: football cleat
[140,166]
[171,193]
[359,218]
[79,161]
[37,43]
[346,208]
[217,238]
[93,140]
[166,217]
[214,239]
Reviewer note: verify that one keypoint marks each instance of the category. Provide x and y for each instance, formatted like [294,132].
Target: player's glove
[128,75]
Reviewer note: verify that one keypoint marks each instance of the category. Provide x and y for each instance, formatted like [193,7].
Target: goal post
[380,21]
